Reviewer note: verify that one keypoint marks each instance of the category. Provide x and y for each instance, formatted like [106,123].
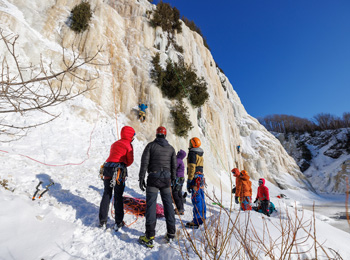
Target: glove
[256,200]
[236,200]
[142,184]
[189,186]
[101,171]
[234,190]
[173,183]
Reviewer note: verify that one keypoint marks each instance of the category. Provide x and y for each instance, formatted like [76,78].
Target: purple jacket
[180,169]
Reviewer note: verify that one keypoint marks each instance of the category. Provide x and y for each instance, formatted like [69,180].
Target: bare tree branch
[27,88]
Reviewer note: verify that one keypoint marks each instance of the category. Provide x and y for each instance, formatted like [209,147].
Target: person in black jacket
[159,160]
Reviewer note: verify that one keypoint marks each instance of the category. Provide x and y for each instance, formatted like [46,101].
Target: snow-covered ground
[63,223]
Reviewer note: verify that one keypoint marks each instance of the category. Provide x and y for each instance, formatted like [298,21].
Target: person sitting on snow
[142,112]
[243,193]
[263,197]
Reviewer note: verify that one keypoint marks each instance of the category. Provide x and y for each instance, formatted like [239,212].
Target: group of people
[165,171]
[243,192]
[166,175]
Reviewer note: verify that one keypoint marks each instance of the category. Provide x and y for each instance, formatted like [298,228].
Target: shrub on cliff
[182,123]
[199,93]
[166,17]
[81,15]
[178,81]
[157,73]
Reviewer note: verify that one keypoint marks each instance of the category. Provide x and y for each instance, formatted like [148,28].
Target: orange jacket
[243,184]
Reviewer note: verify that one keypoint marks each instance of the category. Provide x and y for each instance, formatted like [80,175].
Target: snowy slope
[63,223]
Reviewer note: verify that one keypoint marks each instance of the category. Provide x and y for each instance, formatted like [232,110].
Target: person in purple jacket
[177,185]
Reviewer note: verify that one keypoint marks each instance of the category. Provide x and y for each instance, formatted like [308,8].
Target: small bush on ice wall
[166,17]
[81,16]
[178,81]
[182,122]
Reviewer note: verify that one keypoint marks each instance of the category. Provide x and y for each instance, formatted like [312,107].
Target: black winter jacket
[158,156]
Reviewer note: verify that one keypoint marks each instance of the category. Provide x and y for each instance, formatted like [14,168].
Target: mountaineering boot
[192,225]
[144,240]
[179,212]
[118,226]
[169,237]
[102,224]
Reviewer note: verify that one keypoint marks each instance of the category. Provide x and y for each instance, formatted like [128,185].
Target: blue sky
[281,56]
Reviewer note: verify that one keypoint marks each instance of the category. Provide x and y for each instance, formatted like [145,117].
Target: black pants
[118,201]
[265,204]
[178,198]
[151,217]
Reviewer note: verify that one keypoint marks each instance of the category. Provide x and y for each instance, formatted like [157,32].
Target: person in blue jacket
[142,112]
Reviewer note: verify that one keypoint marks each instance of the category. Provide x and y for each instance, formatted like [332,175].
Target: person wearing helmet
[114,173]
[159,160]
[142,112]
[263,197]
[243,189]
[195,182]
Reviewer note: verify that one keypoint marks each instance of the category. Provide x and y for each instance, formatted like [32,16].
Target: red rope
[58,165]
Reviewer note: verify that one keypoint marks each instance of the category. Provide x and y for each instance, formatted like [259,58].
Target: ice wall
[122,29]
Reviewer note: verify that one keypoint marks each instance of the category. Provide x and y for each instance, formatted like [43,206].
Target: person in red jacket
[114,176]
[263,197]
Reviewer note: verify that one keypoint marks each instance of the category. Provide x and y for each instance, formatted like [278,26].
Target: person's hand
[236,200]
[142,184]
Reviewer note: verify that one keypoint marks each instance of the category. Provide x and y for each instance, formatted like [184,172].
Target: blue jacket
[143,107]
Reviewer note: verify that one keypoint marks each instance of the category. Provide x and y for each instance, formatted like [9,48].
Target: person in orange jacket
[243,189]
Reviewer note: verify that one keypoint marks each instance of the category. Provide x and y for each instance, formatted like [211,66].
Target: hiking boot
[169,237]
[144,240]
[179,212]
[102,224]
[118,226]
[192,225]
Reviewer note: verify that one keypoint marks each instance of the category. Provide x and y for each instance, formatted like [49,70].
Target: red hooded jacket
[122,150]
[263,191]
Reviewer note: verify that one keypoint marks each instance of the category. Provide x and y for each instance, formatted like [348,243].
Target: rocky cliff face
[122,29]
[324,157]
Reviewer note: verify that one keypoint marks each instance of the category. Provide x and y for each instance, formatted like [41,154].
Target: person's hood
[198,150]
[127,133]
[181,154]
[263,181]
[244,175]
[235,172]
[161,141]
